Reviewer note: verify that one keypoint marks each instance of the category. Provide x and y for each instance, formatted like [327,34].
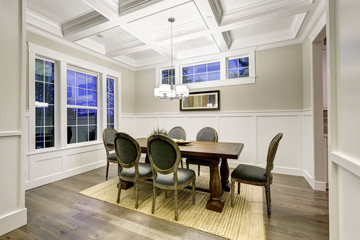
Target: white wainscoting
[50,166]
[254,129]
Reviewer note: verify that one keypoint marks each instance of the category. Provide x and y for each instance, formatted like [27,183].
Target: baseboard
[61,175]
[12,221]
[316,185]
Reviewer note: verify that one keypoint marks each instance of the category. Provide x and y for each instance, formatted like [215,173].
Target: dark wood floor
[57,211]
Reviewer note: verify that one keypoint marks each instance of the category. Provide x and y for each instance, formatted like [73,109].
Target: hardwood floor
[57,211]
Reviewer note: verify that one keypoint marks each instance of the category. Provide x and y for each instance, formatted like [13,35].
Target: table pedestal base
[125,185]
[216,206]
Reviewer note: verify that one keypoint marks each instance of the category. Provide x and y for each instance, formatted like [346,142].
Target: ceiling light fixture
[171,91]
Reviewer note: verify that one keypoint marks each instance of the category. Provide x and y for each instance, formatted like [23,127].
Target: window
[201,73]
[81,106]
[44,104]
[167,75]
[110,102]
[238,67]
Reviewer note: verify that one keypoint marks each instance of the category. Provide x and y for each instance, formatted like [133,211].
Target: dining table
[214,153]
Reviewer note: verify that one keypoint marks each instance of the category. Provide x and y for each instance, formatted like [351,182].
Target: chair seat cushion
[112,157]
[197,161]
[250,173]
[184,175]
[144,171]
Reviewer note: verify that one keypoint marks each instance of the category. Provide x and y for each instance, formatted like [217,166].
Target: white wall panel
[239,129]
[170,122]
[127,125]
[308,147]
[288,152]
[145,125]
[44,167]
[82,159]
[197,123]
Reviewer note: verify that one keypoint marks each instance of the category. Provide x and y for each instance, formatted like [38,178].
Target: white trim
[77,47]
[61,175]
[222,83]
[313,19]
[10,133]
[13,220]
[317,28]
[41,22]
[316,185]
[347,162]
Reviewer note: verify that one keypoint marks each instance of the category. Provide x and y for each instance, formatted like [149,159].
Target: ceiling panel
[59,11]
[113,36]
[138,56]
[228,5]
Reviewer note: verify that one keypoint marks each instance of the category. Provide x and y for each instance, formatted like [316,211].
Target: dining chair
[108,140]
[178,133]
[206,134]
[128,154]
[254,175]
[164,155]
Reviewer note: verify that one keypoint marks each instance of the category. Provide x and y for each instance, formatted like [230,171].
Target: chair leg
[176,206]
[238,188]
[232,192]
[136,194]
[154,199]
[182,164]
[193,190]
[119,191]
[198,170]
[187,165]
[268,199]
[166,195]
[107,171]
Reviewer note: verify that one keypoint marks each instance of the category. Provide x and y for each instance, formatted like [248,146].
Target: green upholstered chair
[164,155]
[206,134]
[257,175]
[177,133]
[128,154]
[108,140]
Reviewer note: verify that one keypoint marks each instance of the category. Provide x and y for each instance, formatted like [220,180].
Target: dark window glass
[244,72]
[213,76]
[71,116]
[91,82]
[39,116]
[39,70]
[82,116]
[92,133]
[168,75]
[92,116]
[49,93]
[201,73]
[49,116]
[92,101]
[233,64]
[233,73]
[81,97]
[39,91]
[200,68]
[188,70]
[110,85]
[111,102]
[71,95]
[49,137]
[188,79]
[83,133]
[71,134]
[49,72]
[213,67]
[200,77]
[39,137]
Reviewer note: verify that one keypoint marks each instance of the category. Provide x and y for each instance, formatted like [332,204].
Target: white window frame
[62,62]
[115,99]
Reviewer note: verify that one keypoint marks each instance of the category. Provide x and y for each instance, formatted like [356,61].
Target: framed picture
[197,101]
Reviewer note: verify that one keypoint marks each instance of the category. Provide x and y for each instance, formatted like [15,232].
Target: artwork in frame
[196,101]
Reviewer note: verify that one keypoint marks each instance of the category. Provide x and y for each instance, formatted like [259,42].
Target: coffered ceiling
[137,32]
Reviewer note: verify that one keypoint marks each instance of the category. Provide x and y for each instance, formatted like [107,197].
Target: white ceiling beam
[210,16]
[259,17]
[126,51]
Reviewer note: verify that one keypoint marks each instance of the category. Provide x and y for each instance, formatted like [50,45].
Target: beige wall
[278,86]
[12,201]
[127,75]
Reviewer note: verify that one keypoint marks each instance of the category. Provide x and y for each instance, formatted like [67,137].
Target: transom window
[167,75]
[238,67]
[82,106]
[110,102]
[201,73]
[44,104]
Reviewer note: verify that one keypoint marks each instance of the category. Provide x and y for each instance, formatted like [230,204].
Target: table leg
[215,203]
[224,172]
[147,160]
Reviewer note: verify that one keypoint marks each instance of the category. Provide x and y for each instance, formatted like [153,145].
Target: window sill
[222,83]
[67,147]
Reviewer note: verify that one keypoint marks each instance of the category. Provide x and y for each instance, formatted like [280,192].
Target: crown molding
[38,21]
[297,23]
[91,44]
[318,11]
[217,10]
[82,22]
[65,42]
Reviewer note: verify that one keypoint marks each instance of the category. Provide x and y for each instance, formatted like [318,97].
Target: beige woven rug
[244,221]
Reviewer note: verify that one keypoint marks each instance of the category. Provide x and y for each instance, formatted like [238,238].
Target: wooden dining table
[214,153]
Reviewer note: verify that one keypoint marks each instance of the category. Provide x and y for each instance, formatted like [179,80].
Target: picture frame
[201,101]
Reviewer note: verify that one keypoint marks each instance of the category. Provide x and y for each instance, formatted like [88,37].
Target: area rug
[244,221]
